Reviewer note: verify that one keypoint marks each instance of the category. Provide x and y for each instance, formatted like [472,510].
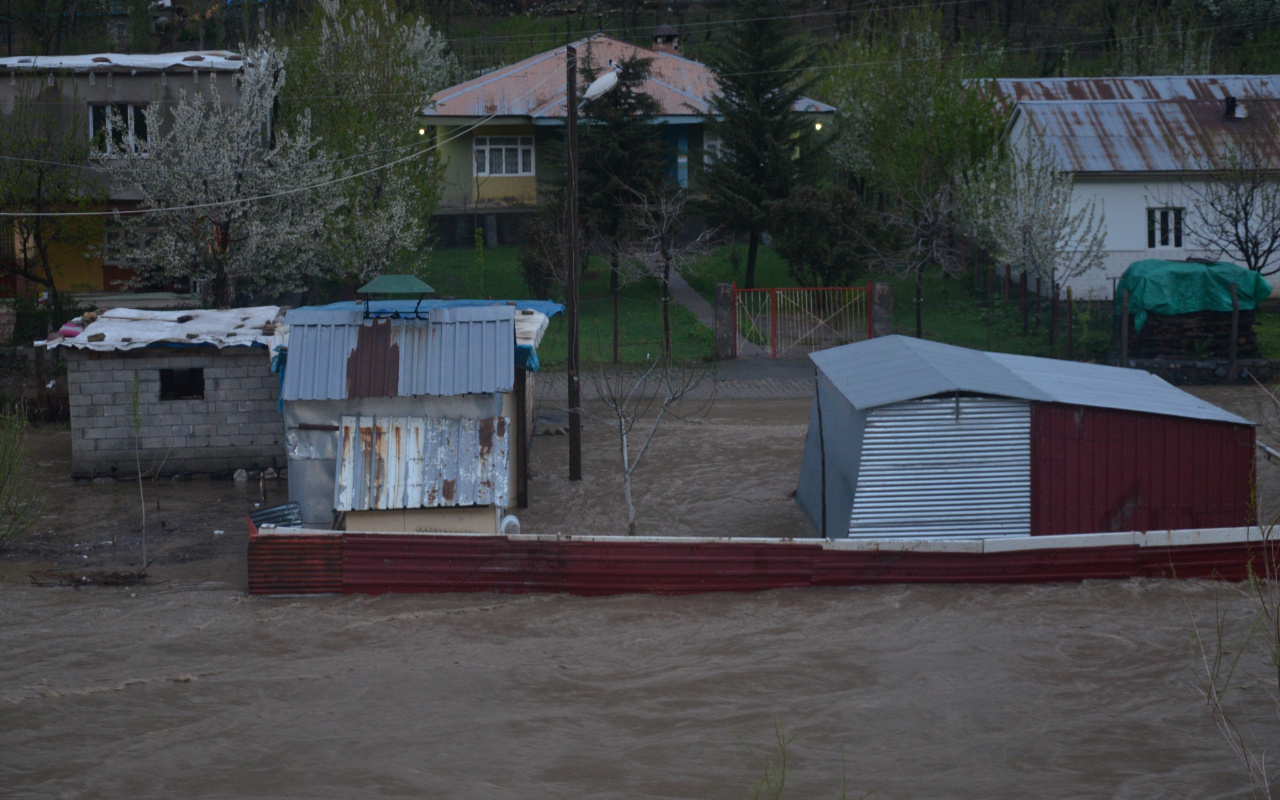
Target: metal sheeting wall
[834,458]
[945,466]
[415,462]
[1098,470]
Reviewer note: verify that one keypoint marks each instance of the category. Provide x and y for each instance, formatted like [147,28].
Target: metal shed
[910,438]
[416,418]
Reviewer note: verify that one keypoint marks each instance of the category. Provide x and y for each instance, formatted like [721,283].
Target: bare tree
[1237,212]
[646,399]
[654,246]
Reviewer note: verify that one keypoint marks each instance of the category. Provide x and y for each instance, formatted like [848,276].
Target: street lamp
[598,87]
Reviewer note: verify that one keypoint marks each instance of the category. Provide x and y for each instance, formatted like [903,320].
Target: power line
[462,131]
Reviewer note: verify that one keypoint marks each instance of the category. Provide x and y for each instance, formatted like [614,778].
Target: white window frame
[483,149]
[98,111]
[1166,228]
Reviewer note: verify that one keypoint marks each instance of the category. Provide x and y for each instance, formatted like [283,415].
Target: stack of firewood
[1204,334]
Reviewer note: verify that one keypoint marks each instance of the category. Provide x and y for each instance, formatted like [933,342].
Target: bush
[19,503]
[35,320]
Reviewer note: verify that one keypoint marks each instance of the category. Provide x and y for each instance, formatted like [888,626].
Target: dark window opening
[1164,227]
[182,384]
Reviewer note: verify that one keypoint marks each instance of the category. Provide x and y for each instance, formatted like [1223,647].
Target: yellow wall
[463,189]
[75,253]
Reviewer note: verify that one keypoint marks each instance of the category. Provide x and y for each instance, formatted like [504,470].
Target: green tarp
[1184,287]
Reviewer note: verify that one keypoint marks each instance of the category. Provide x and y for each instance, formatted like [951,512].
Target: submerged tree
[360,77]
[228,199]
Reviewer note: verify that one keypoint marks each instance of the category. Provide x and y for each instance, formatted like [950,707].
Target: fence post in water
[1124,328]
[1071,326]
[1233,371]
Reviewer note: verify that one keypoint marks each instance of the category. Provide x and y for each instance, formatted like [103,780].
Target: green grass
[453,272]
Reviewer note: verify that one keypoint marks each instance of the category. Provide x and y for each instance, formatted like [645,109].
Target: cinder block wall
[237,425]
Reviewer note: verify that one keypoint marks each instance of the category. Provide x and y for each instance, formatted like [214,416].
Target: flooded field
[187,688]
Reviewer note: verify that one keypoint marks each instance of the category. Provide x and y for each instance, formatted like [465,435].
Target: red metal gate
[783,322]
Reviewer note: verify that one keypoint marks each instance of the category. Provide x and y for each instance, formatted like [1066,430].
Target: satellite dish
[602,84]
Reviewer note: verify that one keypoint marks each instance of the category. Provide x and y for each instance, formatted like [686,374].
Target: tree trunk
[919,302]
[42,252]
[613,292]
[666,306]
[753,244]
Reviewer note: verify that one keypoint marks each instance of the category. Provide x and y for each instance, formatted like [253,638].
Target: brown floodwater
[185,687]
[1077,690]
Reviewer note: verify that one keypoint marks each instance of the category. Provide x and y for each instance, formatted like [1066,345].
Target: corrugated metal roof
[334,353]
[891,369]
[535,87]
[409,462]
[1145,135]
[132,328]
[1165,87]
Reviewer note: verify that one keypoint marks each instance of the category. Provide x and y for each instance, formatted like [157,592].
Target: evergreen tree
[765,146]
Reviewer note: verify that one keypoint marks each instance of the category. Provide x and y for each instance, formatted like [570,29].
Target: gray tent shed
[911,438]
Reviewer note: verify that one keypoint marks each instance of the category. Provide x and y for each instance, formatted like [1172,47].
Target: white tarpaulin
[132,328]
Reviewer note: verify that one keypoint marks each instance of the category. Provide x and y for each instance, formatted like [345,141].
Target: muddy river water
[185,687]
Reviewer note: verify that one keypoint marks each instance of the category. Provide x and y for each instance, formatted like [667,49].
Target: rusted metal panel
[336,354]
[1108,470]
[373,368]
[1173,87]
[412,462]
[1228,562]
[306,564]
[1148,136]
[375,564]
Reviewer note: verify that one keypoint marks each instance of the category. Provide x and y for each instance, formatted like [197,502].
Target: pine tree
[765,146]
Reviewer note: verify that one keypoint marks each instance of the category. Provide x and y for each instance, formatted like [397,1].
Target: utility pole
[571,280]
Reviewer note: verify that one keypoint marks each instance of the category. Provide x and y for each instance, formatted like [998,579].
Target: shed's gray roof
[456,350]
[892,369]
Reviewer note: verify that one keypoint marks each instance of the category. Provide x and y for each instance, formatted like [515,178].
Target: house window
[182,384]
[503,155]
[132,121]
[710,147]
[1164,227]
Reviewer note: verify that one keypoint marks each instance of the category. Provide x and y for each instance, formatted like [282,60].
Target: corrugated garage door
[955,466]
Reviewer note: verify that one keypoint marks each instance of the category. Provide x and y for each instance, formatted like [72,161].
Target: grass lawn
[454,272]
[953,312]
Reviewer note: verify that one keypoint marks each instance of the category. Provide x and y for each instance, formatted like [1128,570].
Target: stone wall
[236,425]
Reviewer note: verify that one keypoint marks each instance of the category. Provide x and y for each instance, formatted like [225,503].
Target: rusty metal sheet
[1092,136]
[307,564]
[1171,87]
[373,368]
[413,462]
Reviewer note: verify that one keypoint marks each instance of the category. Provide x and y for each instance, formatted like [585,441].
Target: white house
[1138,147]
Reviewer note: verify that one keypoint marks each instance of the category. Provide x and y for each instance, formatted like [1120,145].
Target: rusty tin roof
[535,87]
[334,353]
[1170,87]
[1104,136]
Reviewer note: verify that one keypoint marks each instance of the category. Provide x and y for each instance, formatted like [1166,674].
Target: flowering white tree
[365,75]
[229,198]
[1019,206]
